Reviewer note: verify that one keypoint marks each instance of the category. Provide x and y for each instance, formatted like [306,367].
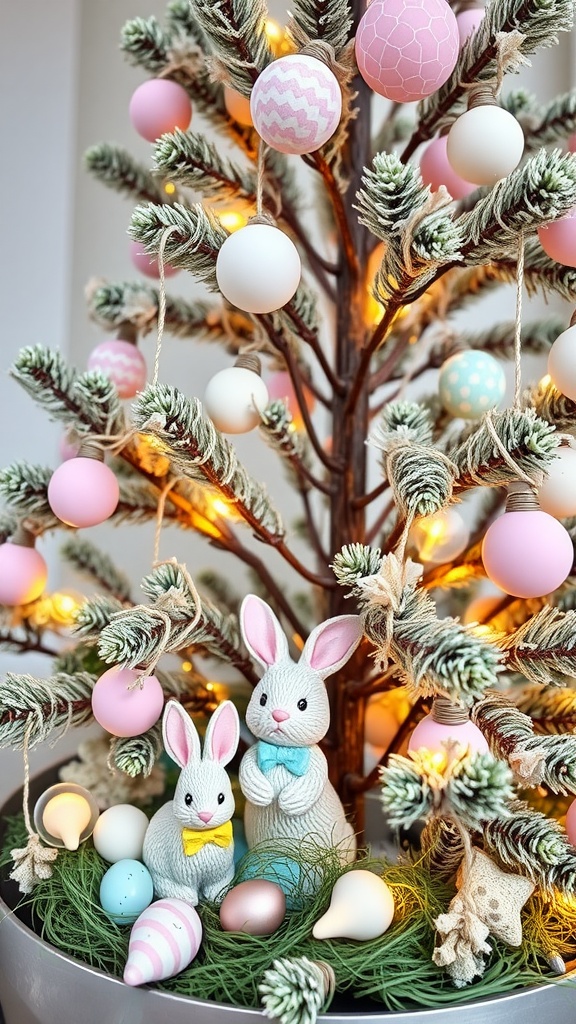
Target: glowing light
[220,507]
[545,381]
[277,38]
[374,310]
[433,761]
[169,188]
[186,666]
[232,220]
[210,687]
[440,537]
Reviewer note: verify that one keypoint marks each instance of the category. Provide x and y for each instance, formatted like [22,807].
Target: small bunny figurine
[284,776]
[188,847]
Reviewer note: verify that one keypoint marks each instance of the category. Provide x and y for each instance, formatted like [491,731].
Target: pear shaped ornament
[361,907]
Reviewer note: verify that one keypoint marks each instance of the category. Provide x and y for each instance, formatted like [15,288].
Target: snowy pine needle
[294,991]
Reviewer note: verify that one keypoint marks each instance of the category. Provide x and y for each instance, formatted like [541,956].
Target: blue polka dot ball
[470,383]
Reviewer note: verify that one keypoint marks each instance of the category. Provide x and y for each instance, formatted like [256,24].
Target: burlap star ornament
[489,901]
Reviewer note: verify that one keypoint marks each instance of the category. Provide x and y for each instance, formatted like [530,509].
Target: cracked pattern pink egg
[406,49]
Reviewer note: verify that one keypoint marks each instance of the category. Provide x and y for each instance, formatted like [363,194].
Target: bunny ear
[331,644]
[262,633]
[222,734]
[181,739]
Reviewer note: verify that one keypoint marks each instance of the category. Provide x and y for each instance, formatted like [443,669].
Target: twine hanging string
[518,324]
[33,862]
[161,300]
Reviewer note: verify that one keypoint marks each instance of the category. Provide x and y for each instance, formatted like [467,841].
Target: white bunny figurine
[284,776]
[188,847]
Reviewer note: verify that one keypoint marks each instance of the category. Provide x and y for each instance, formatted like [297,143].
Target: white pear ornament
[284,776]
[188,847]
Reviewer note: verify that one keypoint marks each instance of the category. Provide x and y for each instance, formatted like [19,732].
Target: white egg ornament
[119,833]
[258,268]
[485,143]
[235,397]
[557,495]
[164,941]
[361,907]
[562,363]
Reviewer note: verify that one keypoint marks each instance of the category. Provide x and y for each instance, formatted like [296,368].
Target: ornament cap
[249,361]
[481,95]
[127,332]
[90,450]
[445,712]
[521,497]
[23,536]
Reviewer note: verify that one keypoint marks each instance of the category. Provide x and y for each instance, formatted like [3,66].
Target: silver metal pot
[40,985]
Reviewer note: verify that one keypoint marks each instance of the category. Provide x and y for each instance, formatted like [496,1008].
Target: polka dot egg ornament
[296,104]
[123,363]
[470,383]
[407,49]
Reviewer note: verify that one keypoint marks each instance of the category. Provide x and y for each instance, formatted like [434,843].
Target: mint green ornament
[470,384]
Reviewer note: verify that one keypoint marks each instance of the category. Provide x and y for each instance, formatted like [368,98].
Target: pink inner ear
[177,737]
[333,644]
[260,630]
[224,736]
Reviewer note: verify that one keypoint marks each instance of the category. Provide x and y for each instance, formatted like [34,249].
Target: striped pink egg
[164,940]
[296,104]
[123,363]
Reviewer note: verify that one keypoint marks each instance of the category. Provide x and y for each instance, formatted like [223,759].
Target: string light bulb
[440,537]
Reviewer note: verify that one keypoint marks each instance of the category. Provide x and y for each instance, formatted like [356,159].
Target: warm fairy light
[374,309]
[482,629]
[169,188]
[64,607]
[433,760]
[298,641]
[232,220]
[54,610]
[220,507]
[545,381]
[186,666]
[210,687]
[277,38]
[440,537]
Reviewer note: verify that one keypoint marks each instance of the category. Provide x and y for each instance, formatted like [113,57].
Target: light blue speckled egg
[126,890]
[470,383]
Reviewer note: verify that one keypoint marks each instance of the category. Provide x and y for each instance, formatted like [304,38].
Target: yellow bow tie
[194,839]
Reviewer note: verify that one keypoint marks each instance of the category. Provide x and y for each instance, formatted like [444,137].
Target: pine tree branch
[530,442]
[278,431]
[236,30]
[115,167]
[541,274]
[556,122]
[86,558]
[137,755]
[189,159]
[542,190]
[478,60]
[94,615]
[535,846]
[552,710]
[328,20]
[181,21]
[38,707]
[551,405]
[544,648]
[24,486]
[537,338]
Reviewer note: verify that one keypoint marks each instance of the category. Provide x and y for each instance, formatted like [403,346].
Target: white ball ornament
[562,363]
[296,104]
[119,833]
[235,397]
[258,268]
[485,144]
[557,495]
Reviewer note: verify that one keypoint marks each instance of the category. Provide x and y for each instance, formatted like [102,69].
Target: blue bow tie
[295,759]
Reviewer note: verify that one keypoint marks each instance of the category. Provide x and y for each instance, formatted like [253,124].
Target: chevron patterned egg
[164,941]
[123,363]
[296,104]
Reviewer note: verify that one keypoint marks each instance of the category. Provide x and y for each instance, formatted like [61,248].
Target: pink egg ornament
[83,492]
[159,106]
[527,554]
[255,907]
[296,104]
[436,170]
[407,49]
[468,21]
[164,940]
[571,823]
[123,363]
[433,735]
[558,239]
[280,388]
[125,709]
[147,264]
[23,573]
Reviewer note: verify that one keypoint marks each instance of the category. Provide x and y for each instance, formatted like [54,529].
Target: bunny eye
[220,798]
[188,799]
[263,700]
[302,704]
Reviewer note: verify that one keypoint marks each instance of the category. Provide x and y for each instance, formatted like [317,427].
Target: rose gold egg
[256,907]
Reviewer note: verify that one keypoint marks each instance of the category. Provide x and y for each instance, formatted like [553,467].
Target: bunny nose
[280,716]
[205,816]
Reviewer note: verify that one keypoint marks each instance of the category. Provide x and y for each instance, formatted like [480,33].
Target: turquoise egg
[284,871]
[125,891]
[240,844]
[470,383]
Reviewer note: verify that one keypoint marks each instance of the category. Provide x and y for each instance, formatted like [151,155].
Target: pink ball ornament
[562,363]
[406,49]
[159,106]
[432,735]
[123,363]
[83,492]
[571,823]
[296,104]
[125,709]
[436,170]
[147,264]
[23,573]
[558,239]
[527,554]
[468,21]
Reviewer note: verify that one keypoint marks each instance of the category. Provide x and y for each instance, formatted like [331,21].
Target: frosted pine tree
[401,252]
